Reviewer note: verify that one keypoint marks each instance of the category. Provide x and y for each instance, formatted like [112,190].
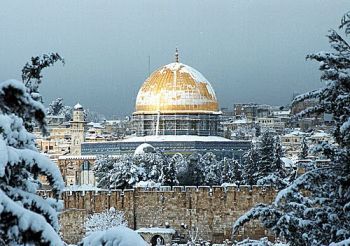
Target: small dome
[176,88]
[78,106]
[143,149]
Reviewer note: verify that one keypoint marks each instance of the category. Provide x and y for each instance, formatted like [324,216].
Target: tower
[77,130]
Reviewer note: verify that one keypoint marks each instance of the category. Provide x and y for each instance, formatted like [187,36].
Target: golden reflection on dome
[176,88]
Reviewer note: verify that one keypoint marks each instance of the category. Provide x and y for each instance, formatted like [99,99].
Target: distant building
[251,111]
[274,123]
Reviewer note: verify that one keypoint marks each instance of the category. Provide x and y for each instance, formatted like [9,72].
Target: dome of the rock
[176,88]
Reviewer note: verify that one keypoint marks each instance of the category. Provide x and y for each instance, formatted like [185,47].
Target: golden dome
[176,88]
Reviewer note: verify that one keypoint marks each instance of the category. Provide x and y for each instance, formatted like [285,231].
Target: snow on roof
[78,106]
[281,112]
[95,125]
[295,133]
[156,230]
[175,138]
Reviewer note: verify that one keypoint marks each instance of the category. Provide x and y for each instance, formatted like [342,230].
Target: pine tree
[266,149]
[250,166]
[25,217]
[211,169]
[55,107]
[169,174]
[315,208]
[257,130]
[195,169]
[118,173]
[182,169]
[231,171]
[31,77]
[277,165]
[304,149]
[151,163]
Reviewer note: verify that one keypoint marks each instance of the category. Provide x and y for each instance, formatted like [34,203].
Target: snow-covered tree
[267,153]
[257,130]
[93,116]
[169,173]
[181,165]
[55,107]
[25,217]
[304,149]
[263,165]
[315,208]
[151,163]
[231,171]
[116,173]
[250,166]
[104,221]
[211,169]
[31,77]
[195,169]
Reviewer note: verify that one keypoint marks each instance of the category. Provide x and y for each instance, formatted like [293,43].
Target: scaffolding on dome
[176,124]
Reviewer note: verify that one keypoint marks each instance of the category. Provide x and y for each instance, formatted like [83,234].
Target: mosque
[176,111]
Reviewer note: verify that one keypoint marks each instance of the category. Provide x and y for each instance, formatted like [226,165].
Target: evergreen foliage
[169,174]
[304,149]
[267,154]
[315,208]
[117,173]
[250,166]
[25,217]
[211,169]
[231,171]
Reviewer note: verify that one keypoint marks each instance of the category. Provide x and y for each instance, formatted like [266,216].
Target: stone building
[77,170]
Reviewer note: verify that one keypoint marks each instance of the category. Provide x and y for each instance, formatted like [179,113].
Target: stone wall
[212,209]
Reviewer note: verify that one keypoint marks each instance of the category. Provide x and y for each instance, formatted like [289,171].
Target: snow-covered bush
[105,220]
[315,208]
[117,236]
[25,217]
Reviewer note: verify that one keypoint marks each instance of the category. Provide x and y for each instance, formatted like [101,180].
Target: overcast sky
[250,51]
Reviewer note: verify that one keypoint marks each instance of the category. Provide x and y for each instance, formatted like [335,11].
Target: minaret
[77,130]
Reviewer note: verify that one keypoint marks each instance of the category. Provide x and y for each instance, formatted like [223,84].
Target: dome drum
[176,124]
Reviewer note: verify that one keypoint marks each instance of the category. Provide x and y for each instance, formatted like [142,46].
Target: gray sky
[250,51]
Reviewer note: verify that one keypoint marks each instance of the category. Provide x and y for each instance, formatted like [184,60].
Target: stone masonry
[212,209]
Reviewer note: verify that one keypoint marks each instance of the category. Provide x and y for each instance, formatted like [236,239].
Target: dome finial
[176,55]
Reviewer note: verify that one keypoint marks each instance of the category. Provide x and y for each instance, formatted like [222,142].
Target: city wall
[212,209]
